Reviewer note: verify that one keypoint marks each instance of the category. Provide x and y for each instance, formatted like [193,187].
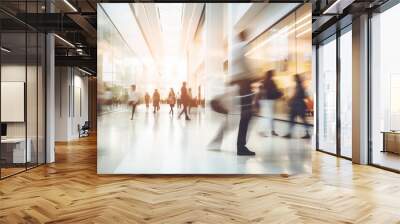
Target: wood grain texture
[70,191]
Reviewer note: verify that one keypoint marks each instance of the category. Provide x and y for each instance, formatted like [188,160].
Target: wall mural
[200,88]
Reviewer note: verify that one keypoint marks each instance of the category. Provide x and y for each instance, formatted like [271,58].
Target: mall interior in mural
[190,88]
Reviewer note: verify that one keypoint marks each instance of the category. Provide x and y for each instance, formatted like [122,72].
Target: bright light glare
[5,50]
[170,16]
[70,5]
[283,32]
[304,32]
[84,71]
[171,26]
[64,40]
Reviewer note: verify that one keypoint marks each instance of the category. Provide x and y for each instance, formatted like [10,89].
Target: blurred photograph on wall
[204,88]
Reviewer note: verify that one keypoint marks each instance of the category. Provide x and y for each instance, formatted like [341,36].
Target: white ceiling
[158,33]
[168,29]
[133,35]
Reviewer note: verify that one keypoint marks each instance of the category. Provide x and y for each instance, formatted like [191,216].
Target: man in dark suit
[185,100]
[242,77]
[156,101]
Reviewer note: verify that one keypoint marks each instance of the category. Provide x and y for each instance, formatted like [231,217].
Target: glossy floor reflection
[162,144]
[386,159]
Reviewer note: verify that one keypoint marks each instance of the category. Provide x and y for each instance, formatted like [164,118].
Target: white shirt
[134,96]
[240,63]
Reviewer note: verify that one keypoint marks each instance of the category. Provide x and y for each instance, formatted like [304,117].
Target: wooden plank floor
[70,191]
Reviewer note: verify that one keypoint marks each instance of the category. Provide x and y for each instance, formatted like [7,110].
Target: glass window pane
[23,90]
[346,94]
[327,96]
[31,97]
[32,88]
[13,87]
[41,98]
[385,84]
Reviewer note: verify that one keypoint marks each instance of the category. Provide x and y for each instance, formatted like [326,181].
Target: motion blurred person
[222,104]
[184,100]
[179,102]
[147,99]
[105,97]
[171,101]
[156,101]
[242,77]
[108,96]
[190,96]
[133,99]
[269,93]
[298,106]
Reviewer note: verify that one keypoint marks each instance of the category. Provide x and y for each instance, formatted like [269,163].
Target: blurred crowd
[114,97]
[259,101]
[257,95]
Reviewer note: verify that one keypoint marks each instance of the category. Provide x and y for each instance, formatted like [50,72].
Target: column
[214,44]
[50,98]
[360,90]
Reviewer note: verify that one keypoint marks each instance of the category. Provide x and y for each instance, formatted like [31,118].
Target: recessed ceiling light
[337,7]
[70,5]
[84,71]
[64,40]
[5,50]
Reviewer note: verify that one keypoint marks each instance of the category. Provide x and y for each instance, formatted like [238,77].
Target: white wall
[12,73]
[62,81]
[33,126]
[70,83]
[80,83]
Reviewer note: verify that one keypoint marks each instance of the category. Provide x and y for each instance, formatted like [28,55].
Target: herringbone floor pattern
[70,191]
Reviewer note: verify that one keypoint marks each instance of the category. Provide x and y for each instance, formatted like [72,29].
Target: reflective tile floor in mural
[163,144]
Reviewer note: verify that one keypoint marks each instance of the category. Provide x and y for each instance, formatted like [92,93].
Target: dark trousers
[245,118]
[184,110]
[156,107]
[293,116]
[133,109]
[172,109]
